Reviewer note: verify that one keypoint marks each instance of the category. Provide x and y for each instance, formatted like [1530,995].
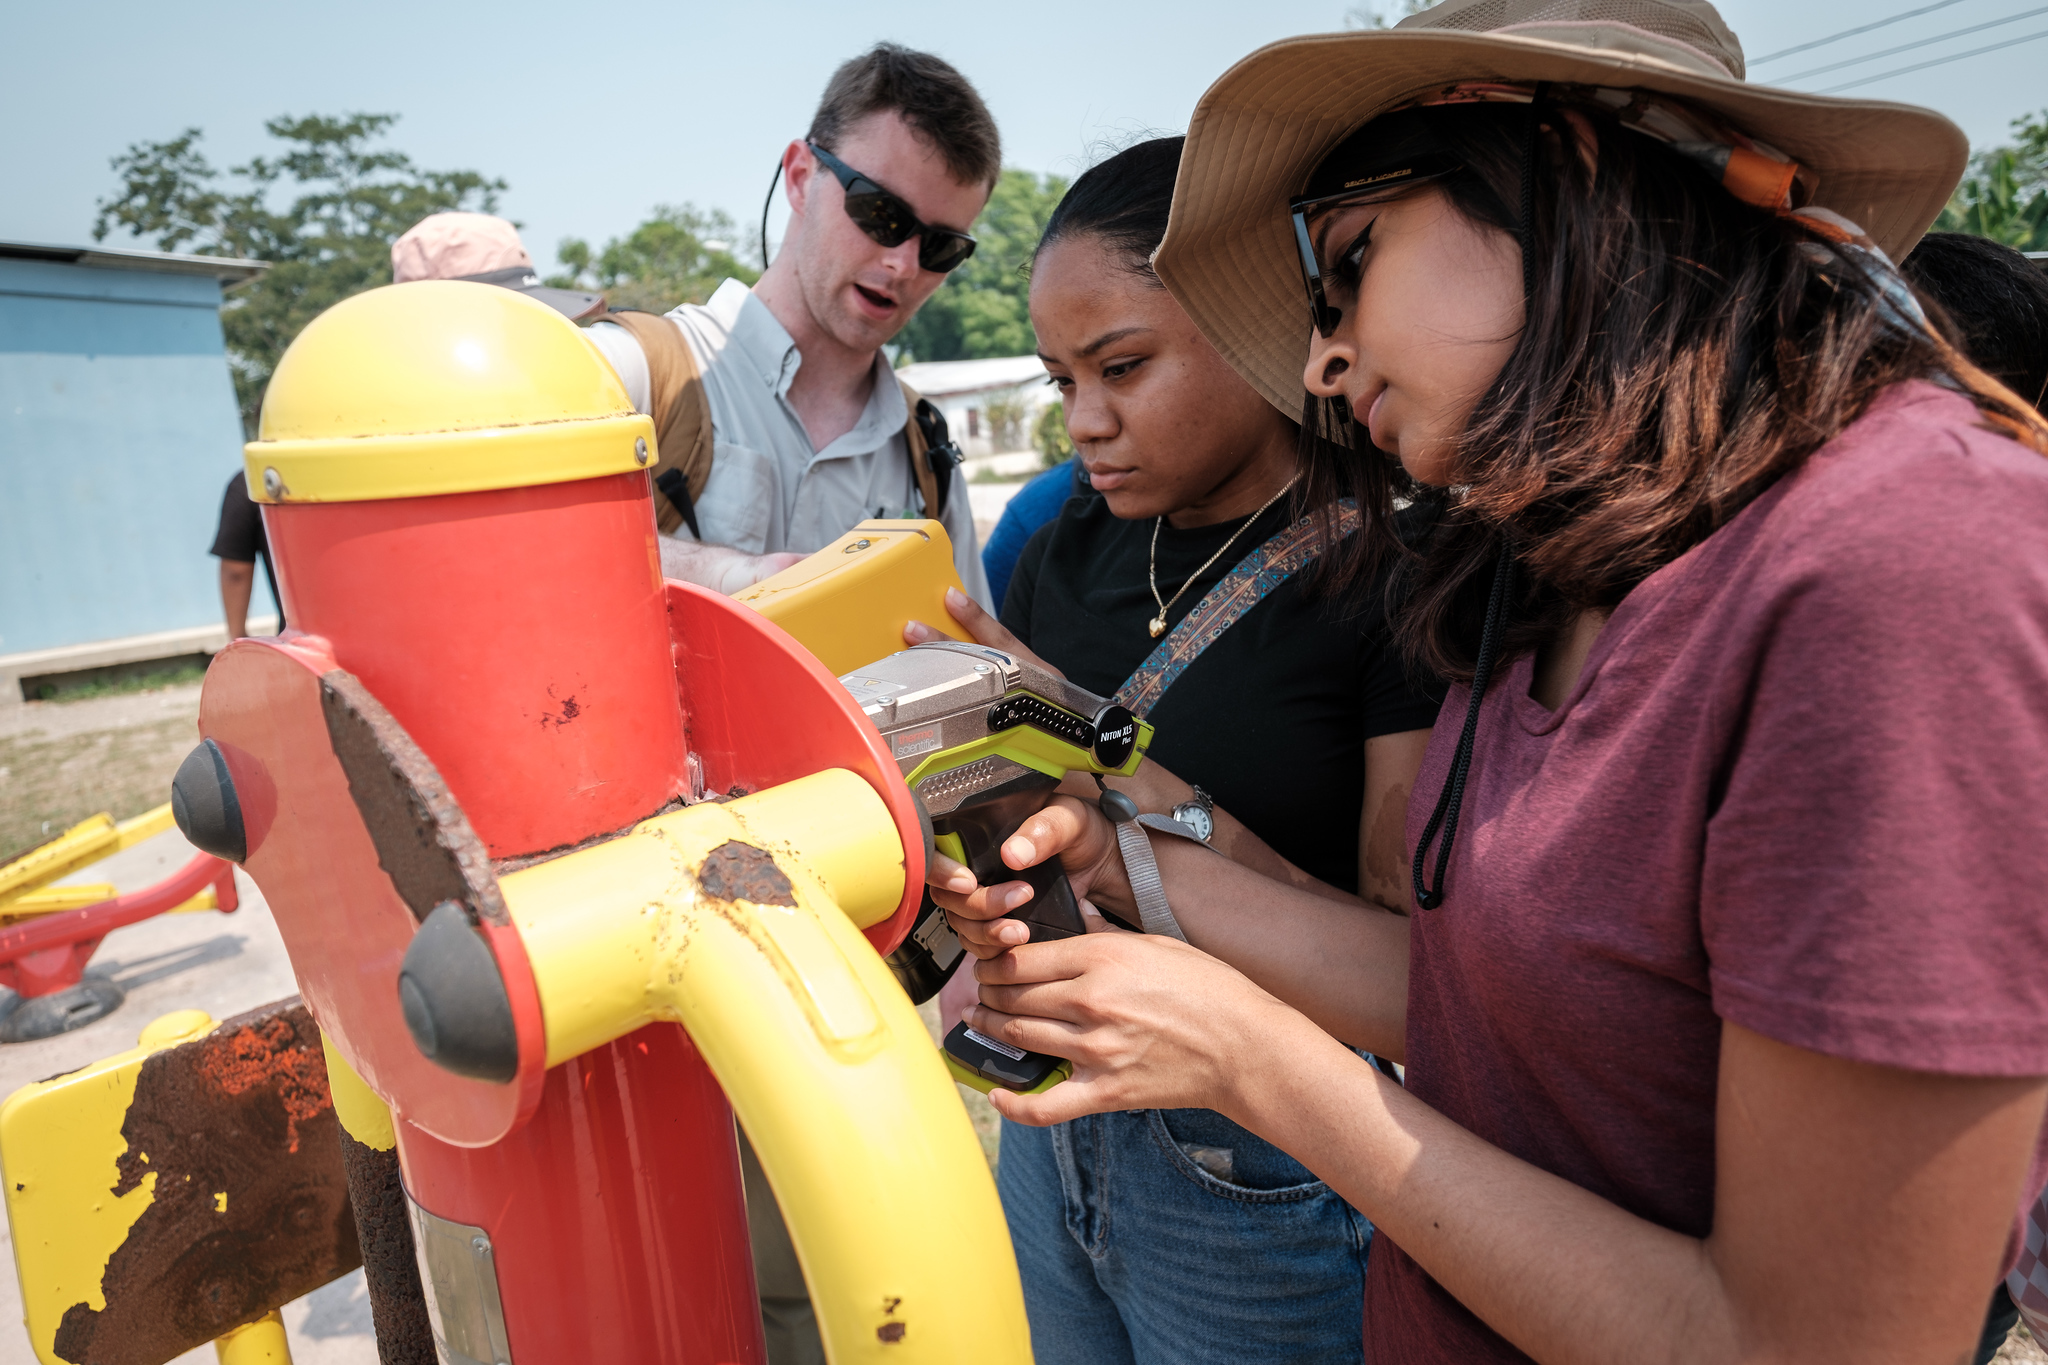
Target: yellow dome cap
[441,386]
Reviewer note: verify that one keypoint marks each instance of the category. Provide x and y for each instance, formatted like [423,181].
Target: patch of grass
[48,785]
[115,680]
[990,476]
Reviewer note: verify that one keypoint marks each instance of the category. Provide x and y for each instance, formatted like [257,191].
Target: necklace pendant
[1157,625]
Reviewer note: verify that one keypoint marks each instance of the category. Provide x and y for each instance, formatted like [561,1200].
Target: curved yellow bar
[261,1342]
[722,918]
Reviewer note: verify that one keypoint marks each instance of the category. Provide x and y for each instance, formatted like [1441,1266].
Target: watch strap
[1179,829]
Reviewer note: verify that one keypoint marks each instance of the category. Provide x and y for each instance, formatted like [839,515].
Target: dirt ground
[2021,1349]
[61,761]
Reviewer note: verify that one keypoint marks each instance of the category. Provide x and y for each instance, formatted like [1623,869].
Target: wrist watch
[1197,813]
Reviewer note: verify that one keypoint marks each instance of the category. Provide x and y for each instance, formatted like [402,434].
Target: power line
[1938,61]
[1908,47]
[1851,32]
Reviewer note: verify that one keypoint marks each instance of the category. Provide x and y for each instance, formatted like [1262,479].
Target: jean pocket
[1229,1161]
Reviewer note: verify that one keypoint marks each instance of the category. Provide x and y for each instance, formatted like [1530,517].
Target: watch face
[1196,819]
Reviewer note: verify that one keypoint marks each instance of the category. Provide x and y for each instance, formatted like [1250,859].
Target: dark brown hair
[938,103]
[1123,200]
[1683,352]
[1993,303]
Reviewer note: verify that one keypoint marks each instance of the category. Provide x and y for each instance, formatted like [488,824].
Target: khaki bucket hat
[1260,130]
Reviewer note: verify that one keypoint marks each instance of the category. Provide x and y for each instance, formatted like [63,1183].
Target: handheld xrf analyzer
[983,737]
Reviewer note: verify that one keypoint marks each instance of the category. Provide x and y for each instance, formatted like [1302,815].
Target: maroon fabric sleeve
[1876,871]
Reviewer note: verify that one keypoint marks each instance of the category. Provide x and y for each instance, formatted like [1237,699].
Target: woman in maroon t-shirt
[1720,1001]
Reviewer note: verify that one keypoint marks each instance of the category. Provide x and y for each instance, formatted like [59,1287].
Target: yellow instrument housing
[847,603]
[827,1066]
[440,386]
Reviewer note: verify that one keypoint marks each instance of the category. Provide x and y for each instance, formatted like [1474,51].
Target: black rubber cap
[204,805]
[454,1000]
[1116,734]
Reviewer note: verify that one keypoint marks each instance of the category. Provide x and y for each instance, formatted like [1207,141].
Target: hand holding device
[983,738]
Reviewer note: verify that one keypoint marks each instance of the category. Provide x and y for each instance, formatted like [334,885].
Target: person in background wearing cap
[483,249]
[809,422]
[1716,996]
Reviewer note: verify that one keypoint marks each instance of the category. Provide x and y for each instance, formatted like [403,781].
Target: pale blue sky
[597,111]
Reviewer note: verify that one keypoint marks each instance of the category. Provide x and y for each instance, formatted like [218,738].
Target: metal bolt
[640,449]
[481,1245]
[273,484]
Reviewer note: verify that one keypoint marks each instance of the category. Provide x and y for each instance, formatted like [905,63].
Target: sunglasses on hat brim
[1363,186]
[890,221]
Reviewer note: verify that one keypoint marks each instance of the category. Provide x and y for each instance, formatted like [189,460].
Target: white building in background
[990,406]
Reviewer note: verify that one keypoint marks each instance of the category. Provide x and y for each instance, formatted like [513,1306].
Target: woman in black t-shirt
[1179,1235]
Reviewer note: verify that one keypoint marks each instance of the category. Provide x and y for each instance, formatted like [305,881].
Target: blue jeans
[1175,1237]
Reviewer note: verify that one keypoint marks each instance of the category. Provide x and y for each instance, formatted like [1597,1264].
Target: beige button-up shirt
[769,489]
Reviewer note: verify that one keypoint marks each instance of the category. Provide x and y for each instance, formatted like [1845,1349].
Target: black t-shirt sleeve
[1397,695]
[240,534]
[1023,587]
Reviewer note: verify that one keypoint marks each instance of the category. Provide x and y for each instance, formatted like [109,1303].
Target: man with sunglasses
[812,432]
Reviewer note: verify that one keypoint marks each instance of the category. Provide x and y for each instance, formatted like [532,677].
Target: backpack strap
[933,454]
[682,418]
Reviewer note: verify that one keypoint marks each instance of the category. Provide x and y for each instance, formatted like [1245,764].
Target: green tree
[1050,438]
[331,241]
[2004,196]
[983,309]
[679,255]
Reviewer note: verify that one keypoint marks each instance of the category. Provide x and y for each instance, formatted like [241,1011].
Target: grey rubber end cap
[454,1000]
[204,804]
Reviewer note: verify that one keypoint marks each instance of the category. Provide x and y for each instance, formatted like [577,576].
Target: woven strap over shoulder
[681,413]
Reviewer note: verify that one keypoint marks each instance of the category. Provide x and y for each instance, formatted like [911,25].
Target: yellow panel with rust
[828,1067]
[60,1141]
[848,602]
[440,386]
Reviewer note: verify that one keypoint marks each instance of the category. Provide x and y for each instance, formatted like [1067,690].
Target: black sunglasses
[882,216]
[1358,189]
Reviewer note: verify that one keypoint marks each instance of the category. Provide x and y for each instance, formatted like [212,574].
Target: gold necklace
[1157,625]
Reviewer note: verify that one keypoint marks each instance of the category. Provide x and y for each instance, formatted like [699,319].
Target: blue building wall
[118,431]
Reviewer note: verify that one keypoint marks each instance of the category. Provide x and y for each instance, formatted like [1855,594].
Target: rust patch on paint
[424,841]
[740,872]
[244,1113]
[269,1054]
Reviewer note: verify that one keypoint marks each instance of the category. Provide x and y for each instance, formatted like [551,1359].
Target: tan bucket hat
[1229,256]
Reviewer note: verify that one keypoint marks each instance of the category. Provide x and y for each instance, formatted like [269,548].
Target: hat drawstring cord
[1451,799]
